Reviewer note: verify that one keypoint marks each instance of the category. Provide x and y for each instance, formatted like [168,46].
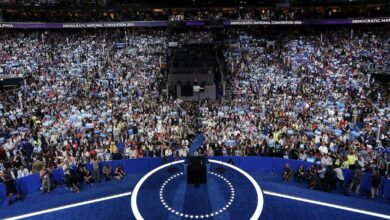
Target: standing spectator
[71,180]
[80,172]
[168,152]
[351,158]
[321,175]
[128,152]
[96,169]
[326,160]
[329,179]
[22,172]
[141,152]
[323,149]
[311,176]
[45,180]
[357,179]
[113,148]
[375,182]
[133,153]
[10,186]
[37,165]
[340,179]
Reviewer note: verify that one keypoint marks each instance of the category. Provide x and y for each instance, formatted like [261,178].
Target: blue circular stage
[233,194]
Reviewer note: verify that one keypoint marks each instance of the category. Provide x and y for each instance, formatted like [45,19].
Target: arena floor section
[227,195]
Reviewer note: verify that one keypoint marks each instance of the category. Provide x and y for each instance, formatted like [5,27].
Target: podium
[196,170]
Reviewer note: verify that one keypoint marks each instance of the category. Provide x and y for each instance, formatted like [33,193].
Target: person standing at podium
[196,166]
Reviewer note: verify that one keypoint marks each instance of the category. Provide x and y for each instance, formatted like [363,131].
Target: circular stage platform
[232,194]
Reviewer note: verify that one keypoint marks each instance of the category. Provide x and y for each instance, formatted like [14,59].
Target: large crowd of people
[83,94]
[302,95]
[310,97]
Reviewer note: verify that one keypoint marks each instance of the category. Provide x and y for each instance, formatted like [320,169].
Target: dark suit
[195,168]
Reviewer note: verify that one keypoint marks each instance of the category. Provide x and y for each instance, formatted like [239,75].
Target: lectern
[196,170]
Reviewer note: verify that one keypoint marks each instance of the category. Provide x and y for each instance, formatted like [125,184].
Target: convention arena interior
[190,109]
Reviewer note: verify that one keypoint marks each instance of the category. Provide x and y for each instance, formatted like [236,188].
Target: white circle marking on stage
[134,195]
[162,200]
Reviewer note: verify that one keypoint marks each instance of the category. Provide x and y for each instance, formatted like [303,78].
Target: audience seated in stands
[294,95]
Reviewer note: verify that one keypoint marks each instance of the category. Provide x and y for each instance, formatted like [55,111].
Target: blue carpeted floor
[204,200]
[272,182]
[182,197]
[61,196]
[276,208]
